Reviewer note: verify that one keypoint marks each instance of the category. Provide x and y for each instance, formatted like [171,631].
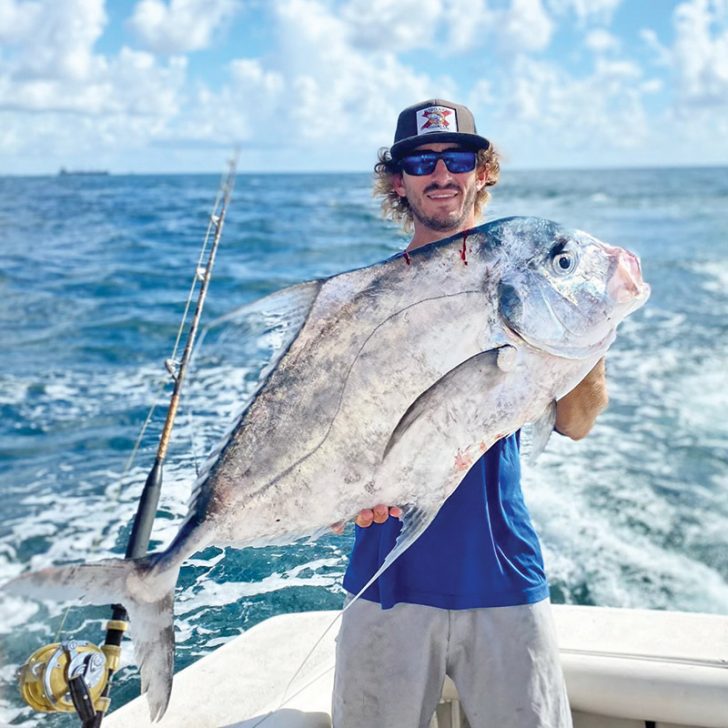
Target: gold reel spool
[44,678]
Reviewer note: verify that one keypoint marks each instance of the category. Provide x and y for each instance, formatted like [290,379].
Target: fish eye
[564,261]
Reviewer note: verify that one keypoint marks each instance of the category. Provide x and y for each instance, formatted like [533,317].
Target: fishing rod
[77,675]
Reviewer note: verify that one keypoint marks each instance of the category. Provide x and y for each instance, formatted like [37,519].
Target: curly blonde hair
[398,209]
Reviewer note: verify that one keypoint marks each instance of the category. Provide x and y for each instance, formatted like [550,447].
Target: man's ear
[481,177]
[398,184]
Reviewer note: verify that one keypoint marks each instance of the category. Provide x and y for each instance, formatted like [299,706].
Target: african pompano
[395,378]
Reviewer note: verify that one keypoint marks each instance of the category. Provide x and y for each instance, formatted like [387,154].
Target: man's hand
[367,516]
[577,411]
[378,514]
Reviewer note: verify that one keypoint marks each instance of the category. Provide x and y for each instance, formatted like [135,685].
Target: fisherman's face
[441,202]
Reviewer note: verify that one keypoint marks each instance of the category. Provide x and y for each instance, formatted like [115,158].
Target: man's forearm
[577,411]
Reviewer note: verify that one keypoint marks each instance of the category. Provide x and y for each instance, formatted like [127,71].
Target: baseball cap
[435,120]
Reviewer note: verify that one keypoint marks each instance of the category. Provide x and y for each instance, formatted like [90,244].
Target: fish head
[563,291]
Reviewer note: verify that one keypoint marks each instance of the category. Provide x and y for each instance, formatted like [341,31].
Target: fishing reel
[68,677]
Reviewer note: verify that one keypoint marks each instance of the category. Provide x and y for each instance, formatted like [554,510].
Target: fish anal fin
[415,520]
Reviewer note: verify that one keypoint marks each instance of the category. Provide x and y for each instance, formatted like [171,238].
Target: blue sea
[95,272]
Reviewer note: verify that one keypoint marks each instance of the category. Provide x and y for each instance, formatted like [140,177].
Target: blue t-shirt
[480,551]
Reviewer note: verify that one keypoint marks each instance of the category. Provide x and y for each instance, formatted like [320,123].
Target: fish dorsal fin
[276,319]
[480,370]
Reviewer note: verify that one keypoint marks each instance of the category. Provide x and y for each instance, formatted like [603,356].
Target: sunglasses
[457,161]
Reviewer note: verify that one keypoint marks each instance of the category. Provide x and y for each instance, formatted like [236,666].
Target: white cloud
[132,83]
[142,86]
[180,26]
[550,114]
[468,23]
[17,20]
[481,95]
[249,74]
[525,27]
[601,41]
[617,72]
[51,66]
[586,11]
[652,86]
[441,27]
[318,92]
[49,62]
[397,25]
[52,40]
[335,73]
[333,89]
[661,54]
[700,52]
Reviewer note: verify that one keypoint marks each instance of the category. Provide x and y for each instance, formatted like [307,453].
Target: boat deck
[624,669]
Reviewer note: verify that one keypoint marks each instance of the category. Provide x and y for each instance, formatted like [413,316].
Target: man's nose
[441,172]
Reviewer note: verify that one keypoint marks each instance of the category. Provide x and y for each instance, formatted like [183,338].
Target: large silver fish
[394,380]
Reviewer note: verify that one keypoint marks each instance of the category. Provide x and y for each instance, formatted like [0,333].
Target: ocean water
[93,282]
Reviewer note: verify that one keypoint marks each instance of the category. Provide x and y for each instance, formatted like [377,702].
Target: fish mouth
[626,284]
[563,352]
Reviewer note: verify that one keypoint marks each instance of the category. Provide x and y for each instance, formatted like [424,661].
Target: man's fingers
[381,513]
[378,514]
[365,518]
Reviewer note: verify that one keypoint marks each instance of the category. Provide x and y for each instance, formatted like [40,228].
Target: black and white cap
[435,120]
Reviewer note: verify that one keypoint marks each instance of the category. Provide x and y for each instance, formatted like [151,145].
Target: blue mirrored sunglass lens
[457,161]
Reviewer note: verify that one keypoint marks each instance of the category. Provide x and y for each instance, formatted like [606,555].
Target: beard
[446,221]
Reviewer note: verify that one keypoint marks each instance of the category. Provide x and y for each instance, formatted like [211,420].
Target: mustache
[435,186]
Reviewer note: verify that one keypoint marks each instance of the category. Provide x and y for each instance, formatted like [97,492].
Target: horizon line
[66,172]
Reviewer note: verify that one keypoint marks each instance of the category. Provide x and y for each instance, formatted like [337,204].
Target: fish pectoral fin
[480,372]
[541,431]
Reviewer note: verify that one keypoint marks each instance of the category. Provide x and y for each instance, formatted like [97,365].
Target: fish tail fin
[146,589]
[152,628]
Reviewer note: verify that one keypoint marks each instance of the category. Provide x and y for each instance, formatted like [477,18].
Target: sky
[316,85]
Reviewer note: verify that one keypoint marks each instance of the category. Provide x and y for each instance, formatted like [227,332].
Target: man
[469,598]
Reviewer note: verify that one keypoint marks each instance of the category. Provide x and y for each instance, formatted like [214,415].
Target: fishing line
[295,695]
[411,530]
[285,699]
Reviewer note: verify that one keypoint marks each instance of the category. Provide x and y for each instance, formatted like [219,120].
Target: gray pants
[504,661]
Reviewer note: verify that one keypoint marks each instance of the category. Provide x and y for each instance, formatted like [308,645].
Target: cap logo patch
[436,118]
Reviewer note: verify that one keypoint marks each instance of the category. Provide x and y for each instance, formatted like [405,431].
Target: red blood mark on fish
[406,258]
[483,448]
[462,461]
[463,251]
